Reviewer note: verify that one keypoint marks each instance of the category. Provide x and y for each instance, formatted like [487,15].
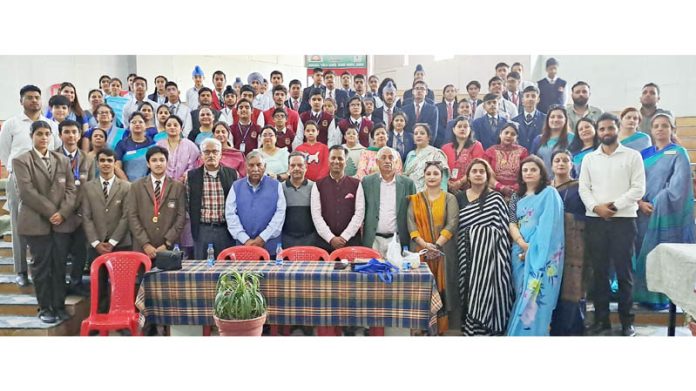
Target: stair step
[643,316]
[18,305]
[6,265]
[8,286]
[13,325]
[5,249]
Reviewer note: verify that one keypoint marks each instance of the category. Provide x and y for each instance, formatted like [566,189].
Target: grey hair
[386,149]
[254,154]
[214,141]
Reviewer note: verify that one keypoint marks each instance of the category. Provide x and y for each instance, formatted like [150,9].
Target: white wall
[44,71]
[616,81]
[458,70]
[179,68]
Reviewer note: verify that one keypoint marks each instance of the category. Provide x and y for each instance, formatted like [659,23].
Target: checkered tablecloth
[298,293]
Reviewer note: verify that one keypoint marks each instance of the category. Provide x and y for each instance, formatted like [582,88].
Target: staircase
[18,306]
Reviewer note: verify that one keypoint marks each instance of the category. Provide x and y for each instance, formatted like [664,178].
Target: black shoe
[62,314]
[598,328]
[22,280]
[47,316]
[628,331]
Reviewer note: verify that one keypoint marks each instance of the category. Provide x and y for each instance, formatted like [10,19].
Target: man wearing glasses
[420,110]
[207,188]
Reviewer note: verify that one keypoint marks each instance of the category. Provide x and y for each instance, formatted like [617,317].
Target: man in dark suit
[446,111]
[295,95]
[419,75]
[419,110]
[386,217]
[487,128]
[104,217]
[207,188]
[46,188]
[82,168]
[338,95]
[386,113]
[531,120]
[156,207]
[346,82]
[473,88]
[318,77]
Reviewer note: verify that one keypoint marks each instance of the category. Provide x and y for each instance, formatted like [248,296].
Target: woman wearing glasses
[416,160]
[276,158]
[432,221]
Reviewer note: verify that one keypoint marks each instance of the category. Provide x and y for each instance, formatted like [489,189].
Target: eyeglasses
[103,112]
[211,152]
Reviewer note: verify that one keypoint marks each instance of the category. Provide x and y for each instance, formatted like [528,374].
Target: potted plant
[240,308]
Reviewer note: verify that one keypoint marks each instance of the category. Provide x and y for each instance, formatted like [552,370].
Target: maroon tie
[449,112]
[295,104]
[417,112]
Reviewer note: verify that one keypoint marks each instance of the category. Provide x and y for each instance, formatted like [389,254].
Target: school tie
[449,112]
[473,106]
[47,162]
[73,161]
[417,112]
[295,104]
[157,190]
[515,99]
[389,117]
[172,109]
[494,122]
[331,94]
[400,144]
[106,190]
[528,119]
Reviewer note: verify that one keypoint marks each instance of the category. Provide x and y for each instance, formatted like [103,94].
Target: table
[298,293]
[671,269]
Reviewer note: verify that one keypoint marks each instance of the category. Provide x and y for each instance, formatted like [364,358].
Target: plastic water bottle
[176,248]
[211,255]
[279,249]
[405,265]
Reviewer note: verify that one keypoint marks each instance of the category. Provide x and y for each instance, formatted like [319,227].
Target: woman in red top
[461,152]
[505,159]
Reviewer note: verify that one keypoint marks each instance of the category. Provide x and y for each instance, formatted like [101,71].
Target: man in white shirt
[192,94]
[261,101]
[506,108]
[338,205]
[139,96]
[176,107]
[15,139]
[612,181]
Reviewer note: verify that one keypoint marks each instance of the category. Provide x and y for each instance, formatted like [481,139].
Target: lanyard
[246,132]
[157,203]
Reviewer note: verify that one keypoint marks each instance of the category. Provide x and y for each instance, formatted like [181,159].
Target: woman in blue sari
[536,228]
[666,212]
[586,140]
[629,135]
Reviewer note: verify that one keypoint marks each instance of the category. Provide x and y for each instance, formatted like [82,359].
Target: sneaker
[628,331]
[47,316]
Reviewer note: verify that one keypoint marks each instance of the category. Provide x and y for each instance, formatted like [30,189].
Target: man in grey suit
[82,168]
[104,217]
[47,196]
[386,205]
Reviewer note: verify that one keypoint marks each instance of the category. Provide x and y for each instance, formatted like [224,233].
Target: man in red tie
[295,99]
[513,93]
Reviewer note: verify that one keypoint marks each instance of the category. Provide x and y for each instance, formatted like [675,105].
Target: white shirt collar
[109,181]
[152,179]
[67,153]
[385,182]
[47,154]
[213,174]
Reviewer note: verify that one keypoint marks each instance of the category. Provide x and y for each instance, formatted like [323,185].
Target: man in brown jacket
[156,207]
[82,169]
[104,217]
[47,196]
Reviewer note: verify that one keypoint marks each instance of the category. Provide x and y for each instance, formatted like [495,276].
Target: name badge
[242,147]
[131,152]
[672,152]
[83,176]
[118,201]
[61,180]
[170,204]
[455,172]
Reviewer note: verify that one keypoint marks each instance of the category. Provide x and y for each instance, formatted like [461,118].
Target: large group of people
[520,203]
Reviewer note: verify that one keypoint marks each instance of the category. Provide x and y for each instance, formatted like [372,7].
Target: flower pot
[241,328]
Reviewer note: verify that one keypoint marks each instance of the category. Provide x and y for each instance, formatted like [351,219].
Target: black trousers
[48,268]
[218,235]
[611,242]
[77,250]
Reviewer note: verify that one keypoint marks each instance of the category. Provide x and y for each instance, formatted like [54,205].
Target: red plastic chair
[353,252]
[305,253]
[122,268]
[244,253]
